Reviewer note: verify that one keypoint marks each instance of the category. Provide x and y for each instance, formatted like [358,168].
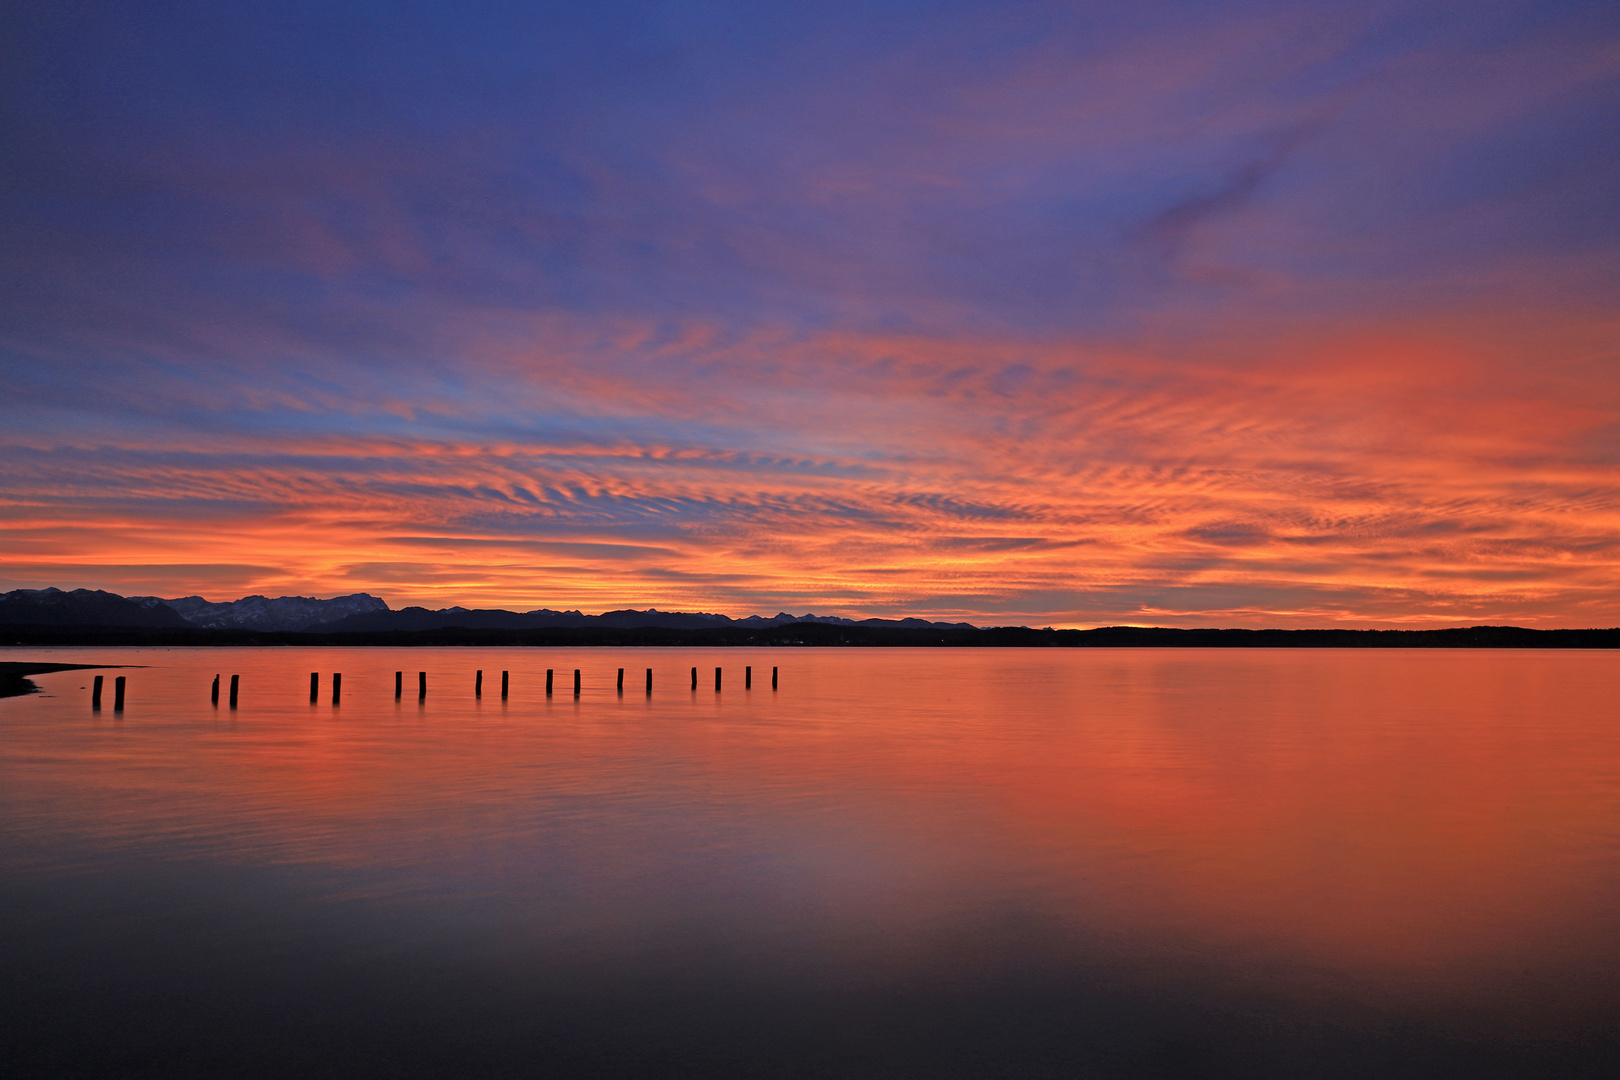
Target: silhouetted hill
[81,607]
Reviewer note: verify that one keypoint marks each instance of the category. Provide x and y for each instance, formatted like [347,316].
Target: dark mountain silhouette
[263,613]
[420,618]
[85,617]
[360,613]
[81,607]
[417,619]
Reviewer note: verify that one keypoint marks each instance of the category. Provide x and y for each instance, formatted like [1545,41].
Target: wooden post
[548,682]
[314,686]
[621,680]
[478,684]
[399,684]
[504,684]
[717,680]
[649,682]
[337,686]
[95,692]
[421,686]
[694,678]
[748,677]
[576,682]
[235,682]
[118,694]
[213,695]
[773,678]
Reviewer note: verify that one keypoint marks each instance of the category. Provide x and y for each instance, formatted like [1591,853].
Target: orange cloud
[1400,475]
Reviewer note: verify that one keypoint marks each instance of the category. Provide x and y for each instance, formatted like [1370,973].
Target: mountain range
[84,616]
[356,613]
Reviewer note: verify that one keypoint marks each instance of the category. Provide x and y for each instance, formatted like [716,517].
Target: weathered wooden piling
[337,686]
[421,686]
[95,693]
[694,678]
[314,686]
[717,680]
[118,694]
[773,678]
[478,683]
[236,681]
[649,682]
[576,682]
[621,680]
[399,685]
[748,677]
[213,695]
[504,684]
[548,682]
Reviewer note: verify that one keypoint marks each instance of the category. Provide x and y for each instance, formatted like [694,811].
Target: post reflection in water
[904,862]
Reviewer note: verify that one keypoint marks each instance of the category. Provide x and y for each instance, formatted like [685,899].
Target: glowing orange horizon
[1402,477]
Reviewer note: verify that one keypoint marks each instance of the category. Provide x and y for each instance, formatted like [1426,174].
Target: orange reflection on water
[1413,824]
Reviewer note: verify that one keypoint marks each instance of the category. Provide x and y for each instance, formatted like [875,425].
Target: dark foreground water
[903,863]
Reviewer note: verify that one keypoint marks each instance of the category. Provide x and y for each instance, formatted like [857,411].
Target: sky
[1070,314]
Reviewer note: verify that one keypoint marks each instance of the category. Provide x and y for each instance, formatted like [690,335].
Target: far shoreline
[824,635]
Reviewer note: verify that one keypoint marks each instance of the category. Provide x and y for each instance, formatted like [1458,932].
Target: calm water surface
[902,863]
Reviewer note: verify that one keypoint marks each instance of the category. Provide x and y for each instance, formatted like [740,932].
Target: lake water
[901,863]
